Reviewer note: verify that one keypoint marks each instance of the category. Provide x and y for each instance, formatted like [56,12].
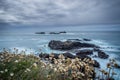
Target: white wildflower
[2,56]
[16,61]
[1,71]
[28,70]
[11,74]
[34,64]
[6,70]
[25,70]
[43,66]
[55,69]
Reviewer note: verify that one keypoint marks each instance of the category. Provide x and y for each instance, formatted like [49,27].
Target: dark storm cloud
[59,12]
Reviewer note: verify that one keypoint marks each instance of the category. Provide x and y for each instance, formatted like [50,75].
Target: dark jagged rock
[85,39]
[69,55]
[43,55]
[68,45]
[102,55]
[40,33]
[83,56]
[96,64]
[85,52]
[56,55]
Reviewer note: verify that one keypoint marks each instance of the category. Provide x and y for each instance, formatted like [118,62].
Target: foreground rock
[68,45]
[102,55]
[43,55]
[53,56]
[69,55]
[85,52]
[96,64]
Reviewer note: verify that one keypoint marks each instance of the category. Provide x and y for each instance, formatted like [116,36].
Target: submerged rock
[74,40]
[96,49]
[68,45]
[102,55]
[85,39]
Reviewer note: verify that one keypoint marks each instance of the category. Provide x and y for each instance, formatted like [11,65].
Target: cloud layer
[59,12]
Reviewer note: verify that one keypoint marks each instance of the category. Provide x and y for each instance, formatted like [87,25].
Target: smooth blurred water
[31,40]
[39,41]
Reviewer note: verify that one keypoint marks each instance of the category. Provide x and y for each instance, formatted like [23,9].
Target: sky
[58,12]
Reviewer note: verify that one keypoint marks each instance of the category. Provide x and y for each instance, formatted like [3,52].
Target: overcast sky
[59,12]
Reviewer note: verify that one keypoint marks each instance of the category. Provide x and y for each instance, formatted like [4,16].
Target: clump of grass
[109,73]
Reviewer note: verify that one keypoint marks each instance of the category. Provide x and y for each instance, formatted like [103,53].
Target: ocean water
[109,41]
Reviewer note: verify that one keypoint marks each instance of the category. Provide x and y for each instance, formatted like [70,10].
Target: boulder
[68,45]
[56,55]
[83,56]
[102,55]
[96,64]
[43,55]
[69,55]
[85,52]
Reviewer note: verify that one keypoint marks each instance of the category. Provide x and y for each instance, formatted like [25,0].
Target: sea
[109,41]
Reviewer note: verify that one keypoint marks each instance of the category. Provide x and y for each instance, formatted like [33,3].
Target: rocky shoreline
[76,66]
[73,45]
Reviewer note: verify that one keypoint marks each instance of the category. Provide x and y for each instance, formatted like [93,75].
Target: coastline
[59,64]
[73,51]
[44,48]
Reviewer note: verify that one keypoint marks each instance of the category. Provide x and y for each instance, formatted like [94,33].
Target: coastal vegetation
[22,66]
